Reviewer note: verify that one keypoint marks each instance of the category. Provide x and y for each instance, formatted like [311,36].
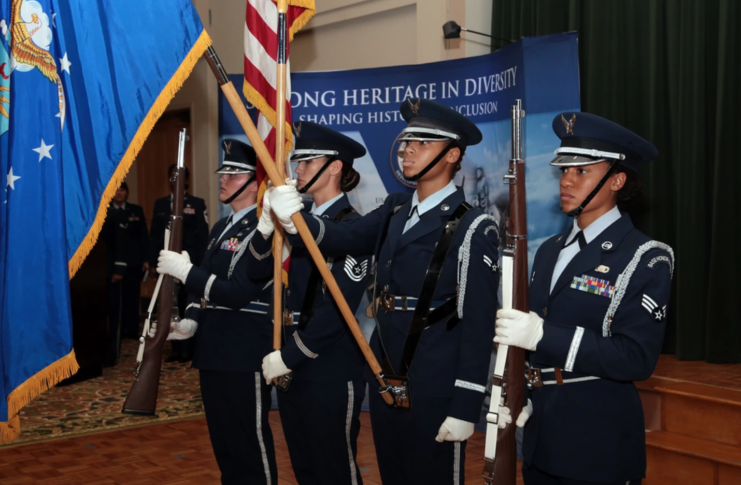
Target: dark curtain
[670,70]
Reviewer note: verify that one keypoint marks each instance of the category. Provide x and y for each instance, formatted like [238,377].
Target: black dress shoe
[173,358]
[186,357]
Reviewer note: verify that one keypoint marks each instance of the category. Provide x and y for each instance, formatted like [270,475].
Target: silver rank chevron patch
[355,271]
[653,309]
[491,264]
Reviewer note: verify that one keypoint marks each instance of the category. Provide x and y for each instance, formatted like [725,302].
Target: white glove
[273,366]
[454,429]
[527,411]
[182,329]
[523,330]
[266,226]
[286,201]
[504,417]
[174,264]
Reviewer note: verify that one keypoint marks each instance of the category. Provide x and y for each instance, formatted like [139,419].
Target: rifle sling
[307,306]
[423,318]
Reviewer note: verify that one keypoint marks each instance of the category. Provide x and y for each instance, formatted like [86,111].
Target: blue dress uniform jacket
[449,363]
[127,248]
[593,429]
[325,350]
[231,335]
[234,334]
[125,231]
[195,228]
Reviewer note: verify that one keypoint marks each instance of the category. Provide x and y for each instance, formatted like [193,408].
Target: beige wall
[344,34]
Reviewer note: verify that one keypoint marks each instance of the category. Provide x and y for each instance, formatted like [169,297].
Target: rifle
[142,397]
[508,381]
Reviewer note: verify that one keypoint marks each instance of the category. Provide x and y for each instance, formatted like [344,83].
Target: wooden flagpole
[280,161]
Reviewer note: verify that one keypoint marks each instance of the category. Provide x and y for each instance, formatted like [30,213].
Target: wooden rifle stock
[142,397]
[502,469]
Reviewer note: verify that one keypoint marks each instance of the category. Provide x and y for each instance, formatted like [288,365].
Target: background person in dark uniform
[127,246]
[234,331]
[449,371]
[195,238]
[320,411]
[598,300]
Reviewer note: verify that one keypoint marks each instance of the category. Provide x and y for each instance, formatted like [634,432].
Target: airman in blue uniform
[435,289]
[598,299]
[228,313]
[320,410]
[127,246]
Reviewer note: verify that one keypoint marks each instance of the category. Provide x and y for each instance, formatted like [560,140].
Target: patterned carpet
[95,405]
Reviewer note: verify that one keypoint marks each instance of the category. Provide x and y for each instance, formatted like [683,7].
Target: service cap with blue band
[431,121]
[239,157]
[587,139]
[314,140]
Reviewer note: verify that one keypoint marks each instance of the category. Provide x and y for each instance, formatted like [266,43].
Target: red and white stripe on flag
[261,70]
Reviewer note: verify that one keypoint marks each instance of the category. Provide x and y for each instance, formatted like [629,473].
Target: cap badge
[228,147]
[569,125]
[297,130]
[415,106]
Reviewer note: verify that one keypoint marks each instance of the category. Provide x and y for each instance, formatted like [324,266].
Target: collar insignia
[569,125]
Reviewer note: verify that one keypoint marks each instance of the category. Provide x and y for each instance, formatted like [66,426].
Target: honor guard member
[195,238]
[127,246]
[598,299]
[320,410]
[435,286]
[234,331]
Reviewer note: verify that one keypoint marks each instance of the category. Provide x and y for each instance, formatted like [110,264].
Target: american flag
[261,63]
[260,73]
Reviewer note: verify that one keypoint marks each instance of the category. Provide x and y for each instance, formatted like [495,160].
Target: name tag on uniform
[593,285]
[230,244]
[189,210]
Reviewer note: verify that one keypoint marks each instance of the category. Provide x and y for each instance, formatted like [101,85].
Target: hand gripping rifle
[142,398]
[508,381]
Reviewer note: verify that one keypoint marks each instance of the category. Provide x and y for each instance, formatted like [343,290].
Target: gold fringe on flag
[302,19]
[43,380]
[145,128]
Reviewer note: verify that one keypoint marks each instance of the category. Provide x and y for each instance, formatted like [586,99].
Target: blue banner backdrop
[364,104]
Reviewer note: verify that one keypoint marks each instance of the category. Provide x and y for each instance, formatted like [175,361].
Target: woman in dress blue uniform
[228,314]
[598,299]
[320,410]
[436,286]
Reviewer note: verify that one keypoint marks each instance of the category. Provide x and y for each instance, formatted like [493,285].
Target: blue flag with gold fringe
[82,83]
